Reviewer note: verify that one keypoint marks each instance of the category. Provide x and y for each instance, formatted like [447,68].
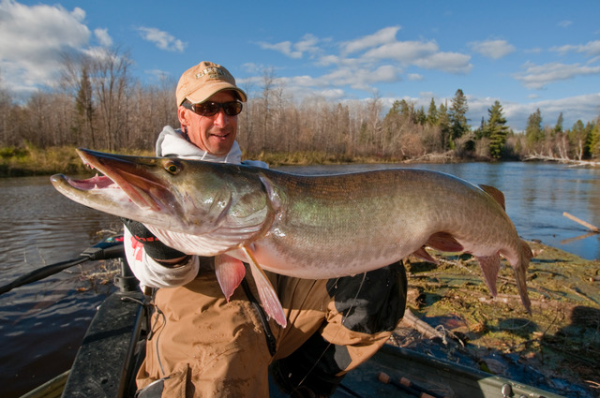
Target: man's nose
[221,118]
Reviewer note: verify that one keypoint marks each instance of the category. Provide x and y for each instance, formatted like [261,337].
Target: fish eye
[173,166]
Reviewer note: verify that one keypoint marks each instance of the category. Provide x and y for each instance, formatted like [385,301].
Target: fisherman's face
[213,134]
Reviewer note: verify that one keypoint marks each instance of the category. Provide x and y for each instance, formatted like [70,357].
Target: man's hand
[153,247]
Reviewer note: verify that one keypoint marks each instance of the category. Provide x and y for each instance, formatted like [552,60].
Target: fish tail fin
[230,271]
[490,266]
[521,273]
[266,292]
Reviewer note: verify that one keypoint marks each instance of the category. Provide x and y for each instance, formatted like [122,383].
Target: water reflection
[42,324]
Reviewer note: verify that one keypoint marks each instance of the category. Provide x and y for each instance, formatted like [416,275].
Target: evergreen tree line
[98,104]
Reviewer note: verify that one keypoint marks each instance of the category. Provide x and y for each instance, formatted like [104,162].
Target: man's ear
[183,116]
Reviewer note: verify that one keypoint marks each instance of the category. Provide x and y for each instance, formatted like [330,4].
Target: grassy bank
[556,347]
[31,161]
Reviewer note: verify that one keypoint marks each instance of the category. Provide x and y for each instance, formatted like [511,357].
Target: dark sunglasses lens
[211,108]
[207,109]
[232,108]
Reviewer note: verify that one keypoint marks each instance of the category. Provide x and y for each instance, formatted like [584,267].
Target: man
[200,344]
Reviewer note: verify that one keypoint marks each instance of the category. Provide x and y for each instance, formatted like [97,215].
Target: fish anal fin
[266,292]
[494,193]
[230,273]
[521,274]
[423,255]
[444,242]
[490,266]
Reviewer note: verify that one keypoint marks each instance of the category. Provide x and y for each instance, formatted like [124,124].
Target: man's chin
[220,148]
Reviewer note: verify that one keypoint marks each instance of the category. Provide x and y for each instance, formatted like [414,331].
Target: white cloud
[406,52]
[423,54]
[381,37]
[448,62]
[565,24]
[32,39]
[415,77]
[494,49]
[376,58]
[161,39]
[591,48]
[284,47]
[308,44]
[539,76]
[360,78]
[158,74]
[103,37]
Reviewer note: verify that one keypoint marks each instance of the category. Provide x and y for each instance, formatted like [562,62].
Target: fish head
[167,193]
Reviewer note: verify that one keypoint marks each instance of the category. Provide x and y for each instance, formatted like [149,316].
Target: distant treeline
[98,104]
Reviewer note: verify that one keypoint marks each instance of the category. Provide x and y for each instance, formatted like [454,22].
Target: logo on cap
[212,72]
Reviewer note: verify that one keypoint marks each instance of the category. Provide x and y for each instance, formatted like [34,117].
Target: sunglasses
[211,108]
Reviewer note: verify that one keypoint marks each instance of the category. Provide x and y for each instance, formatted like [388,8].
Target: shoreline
[31,161]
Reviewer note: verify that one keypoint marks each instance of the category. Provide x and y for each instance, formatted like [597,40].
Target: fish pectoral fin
[423,255]
[444,242]
[266,292]
[490,266]
[230,273]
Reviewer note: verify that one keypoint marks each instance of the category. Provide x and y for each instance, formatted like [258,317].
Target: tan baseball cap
[198,83]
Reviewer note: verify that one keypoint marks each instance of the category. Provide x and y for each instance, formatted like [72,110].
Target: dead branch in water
[589,226]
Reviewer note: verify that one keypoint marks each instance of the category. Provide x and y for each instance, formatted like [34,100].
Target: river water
[42,324]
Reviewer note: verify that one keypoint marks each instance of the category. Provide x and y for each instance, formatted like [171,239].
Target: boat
[113,348]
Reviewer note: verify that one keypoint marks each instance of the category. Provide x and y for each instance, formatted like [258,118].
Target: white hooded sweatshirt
[172,143]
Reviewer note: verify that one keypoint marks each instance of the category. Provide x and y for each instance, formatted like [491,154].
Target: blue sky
[526,54]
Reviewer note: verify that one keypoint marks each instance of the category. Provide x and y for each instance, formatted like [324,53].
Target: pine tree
[496,130]
[558,128]
[481,131]
[432,114]
[458,118]
[407,110]
[533,132]
[420,116]
[595,140]
[445,125]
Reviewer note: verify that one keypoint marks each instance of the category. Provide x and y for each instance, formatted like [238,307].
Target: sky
[526,54]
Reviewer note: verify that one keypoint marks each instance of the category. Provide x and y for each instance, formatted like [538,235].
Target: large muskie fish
[316,227]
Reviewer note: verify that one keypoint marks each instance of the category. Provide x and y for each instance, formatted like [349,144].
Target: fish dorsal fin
[266,292]
[494,193]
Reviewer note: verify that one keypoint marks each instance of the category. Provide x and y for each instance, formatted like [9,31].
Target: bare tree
[109,71]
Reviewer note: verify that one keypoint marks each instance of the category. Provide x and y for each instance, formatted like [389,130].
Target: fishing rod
[111,247]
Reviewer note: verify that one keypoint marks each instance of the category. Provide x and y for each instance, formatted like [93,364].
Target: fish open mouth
[96,182]
[121,173]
